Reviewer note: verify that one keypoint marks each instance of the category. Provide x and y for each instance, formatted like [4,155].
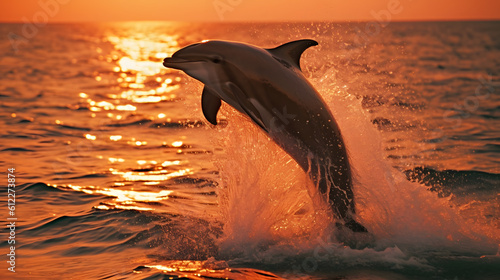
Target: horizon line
[263,21]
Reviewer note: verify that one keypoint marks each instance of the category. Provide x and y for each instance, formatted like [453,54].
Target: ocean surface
[118,175]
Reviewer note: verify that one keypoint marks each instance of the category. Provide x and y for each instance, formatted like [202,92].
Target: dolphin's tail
[334,182]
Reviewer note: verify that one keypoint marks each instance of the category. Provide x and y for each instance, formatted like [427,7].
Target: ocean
[110,170]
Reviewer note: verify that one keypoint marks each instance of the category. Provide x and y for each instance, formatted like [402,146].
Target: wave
[132,123]
[37,187]
[182,123]
[72,127]
[179,124]
[95,175]
[456,182]
[16,149]
[97,231]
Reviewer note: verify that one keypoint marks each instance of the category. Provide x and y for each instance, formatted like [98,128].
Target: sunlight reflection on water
[139,74]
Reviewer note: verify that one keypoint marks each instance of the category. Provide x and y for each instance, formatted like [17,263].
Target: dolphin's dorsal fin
[210,104]
[290,52]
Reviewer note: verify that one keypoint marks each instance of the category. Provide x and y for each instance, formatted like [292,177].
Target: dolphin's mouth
[178,63]
[175,62]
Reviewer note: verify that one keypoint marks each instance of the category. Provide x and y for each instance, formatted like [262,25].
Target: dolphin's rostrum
[268,86]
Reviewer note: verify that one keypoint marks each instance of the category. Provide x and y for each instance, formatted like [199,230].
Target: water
[120,177]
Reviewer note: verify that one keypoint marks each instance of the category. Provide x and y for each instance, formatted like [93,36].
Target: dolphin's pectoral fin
[246,105]
[291,51]
[210,103]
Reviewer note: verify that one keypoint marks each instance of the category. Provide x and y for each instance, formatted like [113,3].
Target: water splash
[268,213]
[396,211]
[264,201]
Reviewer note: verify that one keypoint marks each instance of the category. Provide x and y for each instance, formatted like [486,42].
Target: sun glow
[90,136]
[124,195]
[183,266]
[148,68]
[113,160]
[138,72]
[154,175]
[177,144]
[115,137]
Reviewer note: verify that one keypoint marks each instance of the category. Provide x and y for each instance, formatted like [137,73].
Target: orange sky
[246,10]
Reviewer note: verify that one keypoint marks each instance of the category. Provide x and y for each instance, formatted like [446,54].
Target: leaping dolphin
[268,86]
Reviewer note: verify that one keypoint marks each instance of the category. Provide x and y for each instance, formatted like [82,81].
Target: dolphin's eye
[217,59]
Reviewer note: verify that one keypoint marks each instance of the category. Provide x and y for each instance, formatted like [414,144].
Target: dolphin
[268,86]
